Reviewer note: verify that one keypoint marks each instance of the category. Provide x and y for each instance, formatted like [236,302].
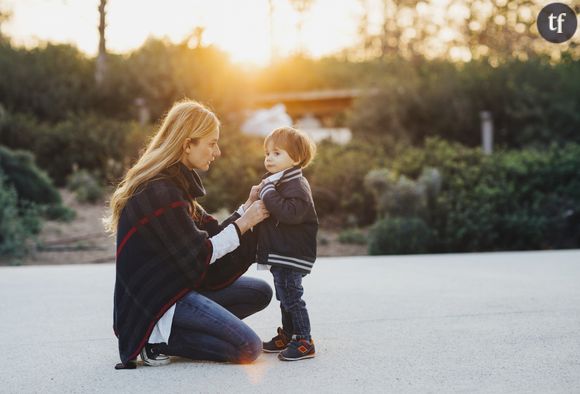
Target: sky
[239,27]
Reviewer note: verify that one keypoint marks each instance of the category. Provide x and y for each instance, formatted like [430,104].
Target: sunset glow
[241,28]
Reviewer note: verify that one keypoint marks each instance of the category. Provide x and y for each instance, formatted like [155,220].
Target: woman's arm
[231,265]
[229,238]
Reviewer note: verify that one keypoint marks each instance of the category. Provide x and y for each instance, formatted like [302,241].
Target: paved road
[460,323]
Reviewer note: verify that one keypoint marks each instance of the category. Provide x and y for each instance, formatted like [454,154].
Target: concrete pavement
[454,323]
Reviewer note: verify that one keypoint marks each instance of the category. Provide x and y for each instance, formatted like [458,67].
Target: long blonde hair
[186,119]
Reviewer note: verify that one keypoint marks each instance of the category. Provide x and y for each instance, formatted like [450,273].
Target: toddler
[287,239]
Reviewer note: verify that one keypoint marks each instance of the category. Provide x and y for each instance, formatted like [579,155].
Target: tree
[4,16]
[101,66]
[301,7]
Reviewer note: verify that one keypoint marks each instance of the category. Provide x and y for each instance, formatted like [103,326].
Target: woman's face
[199,156]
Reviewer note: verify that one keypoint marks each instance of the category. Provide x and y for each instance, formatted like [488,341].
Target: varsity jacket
[162,254]
[287,238]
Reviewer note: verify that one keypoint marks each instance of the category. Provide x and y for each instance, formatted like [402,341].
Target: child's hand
[254,193]
[254,196]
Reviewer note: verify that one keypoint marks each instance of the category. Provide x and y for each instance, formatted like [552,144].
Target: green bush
[532,102]
[58,212]
[399,236]
[352,236]
[49,81]
[511,200]
[18,223]
[85,186]
[34,189]
[337,179]
[100,145]
[30,182]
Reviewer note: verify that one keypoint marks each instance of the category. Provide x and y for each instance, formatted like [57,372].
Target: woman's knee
[267,293]
[251,350]
[264,290]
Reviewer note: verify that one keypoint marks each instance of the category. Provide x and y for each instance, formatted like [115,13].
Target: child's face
[277,159]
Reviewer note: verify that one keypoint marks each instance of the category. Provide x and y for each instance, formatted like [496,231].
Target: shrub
[337,179]
[533,102]
[399,236]
[85,186]
[58,212]
[18,224]
[85,141]
[30,182]
[511,200]
[403,197]
[34,189]
[352,236]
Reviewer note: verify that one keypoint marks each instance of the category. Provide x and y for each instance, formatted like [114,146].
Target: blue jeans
[289,291]
[207,326]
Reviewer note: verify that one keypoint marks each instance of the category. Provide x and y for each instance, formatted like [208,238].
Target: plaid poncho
[162,254]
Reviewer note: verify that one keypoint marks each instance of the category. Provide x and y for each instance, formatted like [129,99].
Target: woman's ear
[186,147]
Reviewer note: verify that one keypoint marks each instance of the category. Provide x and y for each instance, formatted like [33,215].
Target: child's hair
[298,144]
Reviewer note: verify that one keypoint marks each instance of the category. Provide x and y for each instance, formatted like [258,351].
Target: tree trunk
[101,67]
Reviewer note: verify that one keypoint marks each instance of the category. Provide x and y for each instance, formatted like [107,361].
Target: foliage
[532,102]
[403,196]
[98,144]
[337,175]
[36,194]
[85,186]
[30,183]
[352,236]
[18,223]
[512,200]
[400,235]
[49,81]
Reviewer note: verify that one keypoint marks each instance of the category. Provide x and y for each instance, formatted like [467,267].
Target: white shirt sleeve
[224,242]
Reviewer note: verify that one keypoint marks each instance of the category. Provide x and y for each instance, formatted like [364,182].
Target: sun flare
[250,31]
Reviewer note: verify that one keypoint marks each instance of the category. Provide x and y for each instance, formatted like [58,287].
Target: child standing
[287,239]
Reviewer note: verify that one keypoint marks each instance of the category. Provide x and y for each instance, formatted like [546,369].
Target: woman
[178,289]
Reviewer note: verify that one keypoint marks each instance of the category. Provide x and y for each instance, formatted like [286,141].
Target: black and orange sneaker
[278,343]
[298,349]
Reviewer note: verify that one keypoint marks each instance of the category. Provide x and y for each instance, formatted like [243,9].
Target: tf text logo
[557,22]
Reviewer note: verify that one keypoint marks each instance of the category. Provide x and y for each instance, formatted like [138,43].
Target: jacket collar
[287,175]
[195,186]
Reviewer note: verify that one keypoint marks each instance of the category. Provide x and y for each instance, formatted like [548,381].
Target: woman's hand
[254,196]
[252,216]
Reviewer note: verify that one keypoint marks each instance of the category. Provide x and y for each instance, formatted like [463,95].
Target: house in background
[320,113]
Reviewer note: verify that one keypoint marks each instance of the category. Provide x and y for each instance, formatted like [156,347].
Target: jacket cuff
[238,231]
[267,188]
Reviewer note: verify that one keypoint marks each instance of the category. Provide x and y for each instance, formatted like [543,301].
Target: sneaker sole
[282,358]
[154,363]
[272,351]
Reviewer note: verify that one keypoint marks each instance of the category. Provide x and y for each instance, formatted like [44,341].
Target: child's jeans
[288,285]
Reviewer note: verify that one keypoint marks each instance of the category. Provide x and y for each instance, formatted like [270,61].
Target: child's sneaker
[278,343]
[298,349]
[152,357]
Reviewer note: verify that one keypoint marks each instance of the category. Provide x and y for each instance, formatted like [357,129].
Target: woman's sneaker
[152,357]
[298,349]
[278,343]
